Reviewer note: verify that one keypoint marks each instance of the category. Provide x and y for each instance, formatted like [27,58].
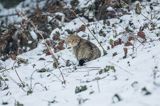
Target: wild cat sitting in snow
[84,50]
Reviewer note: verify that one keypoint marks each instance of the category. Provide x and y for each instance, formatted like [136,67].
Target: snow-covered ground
[134,82]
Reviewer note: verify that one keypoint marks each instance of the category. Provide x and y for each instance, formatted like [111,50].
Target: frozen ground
[134,82]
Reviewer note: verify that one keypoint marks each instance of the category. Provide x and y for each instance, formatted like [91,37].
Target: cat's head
[72,40]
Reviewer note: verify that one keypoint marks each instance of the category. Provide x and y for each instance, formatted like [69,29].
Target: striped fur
[83,49]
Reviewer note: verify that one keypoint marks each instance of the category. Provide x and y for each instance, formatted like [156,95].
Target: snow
[110,9]
[85,3]
[132,74]
[33,34]
[1,7]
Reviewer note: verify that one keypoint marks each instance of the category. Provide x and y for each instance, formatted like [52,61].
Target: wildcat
[84,50]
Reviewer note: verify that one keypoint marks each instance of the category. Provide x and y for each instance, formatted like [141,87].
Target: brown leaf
[142,35]
[128,44]
[125,52]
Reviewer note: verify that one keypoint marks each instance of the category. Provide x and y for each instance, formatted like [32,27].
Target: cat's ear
[77,35]
[67,39]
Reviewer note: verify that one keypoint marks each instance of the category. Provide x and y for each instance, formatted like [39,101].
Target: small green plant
[107,69]
[116,98]
[3,84]
[145,91]
[81,100]
[101,33]
[111,41]
[53,101]
[17,103]
[80,89]
[5,103]
[30,91]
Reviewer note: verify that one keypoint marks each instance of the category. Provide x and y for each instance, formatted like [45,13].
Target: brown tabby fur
[83,49]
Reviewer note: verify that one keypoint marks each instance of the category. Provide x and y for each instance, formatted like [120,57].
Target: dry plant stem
[104,51]
[40,33]
[146,18]
[98,85]
[151,15]
[88,67]
[3,80]
[18,74]
[48,47]
[121,68]
[64,81]
[40,85]
[31,79]
[17,83]
[139,41]
[134,37]
[56,77]
[4,70]
[88,70]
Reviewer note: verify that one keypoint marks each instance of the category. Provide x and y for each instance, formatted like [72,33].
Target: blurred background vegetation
[10,3]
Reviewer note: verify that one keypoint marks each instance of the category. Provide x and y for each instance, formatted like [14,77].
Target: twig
[56,77]
[17,76]
[40,85]
[89,67]
[17,73]
[87,70]
[17,83]
[2,79]
[5,70]
[147,18]
[121,68]
[97,79]
[32,78]
[134,37]
[64,81]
